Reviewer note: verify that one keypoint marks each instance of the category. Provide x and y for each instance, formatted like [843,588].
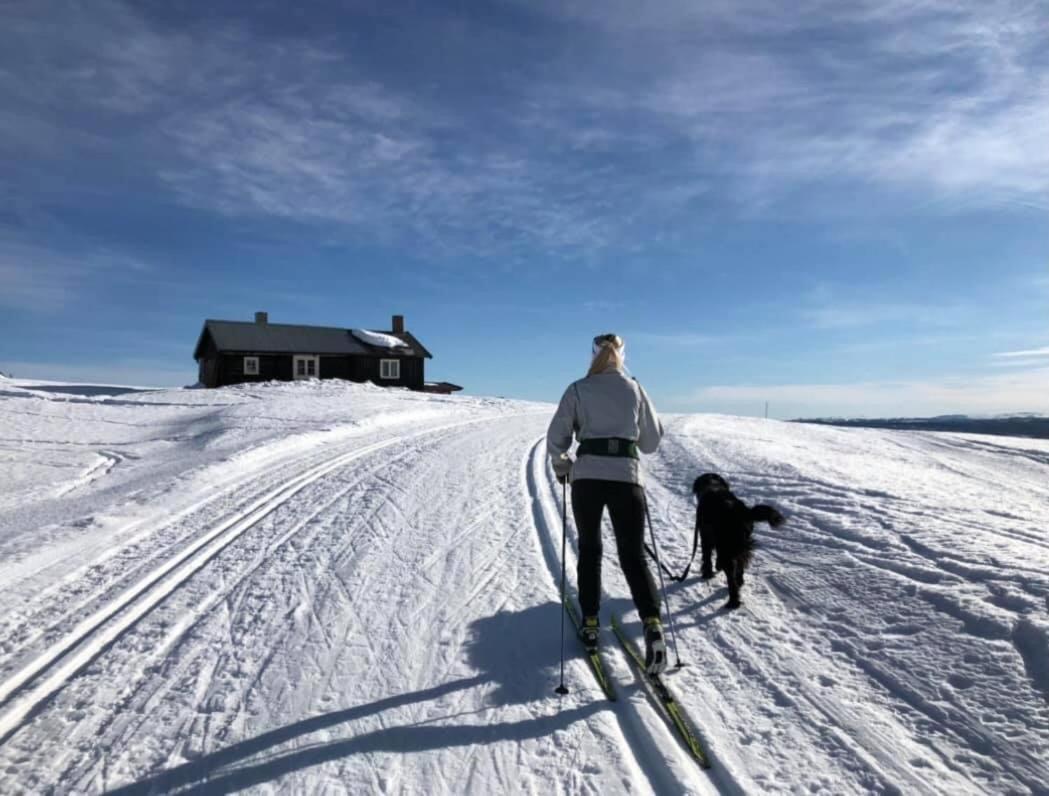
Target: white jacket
[604,405]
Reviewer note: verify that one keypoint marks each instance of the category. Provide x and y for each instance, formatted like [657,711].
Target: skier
[613,419]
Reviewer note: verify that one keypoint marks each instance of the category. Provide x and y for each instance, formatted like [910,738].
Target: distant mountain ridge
[1027,424]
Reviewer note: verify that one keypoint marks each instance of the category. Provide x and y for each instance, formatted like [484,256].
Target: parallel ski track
[143,542]
[20,698]
[875,763]
[649,753]
[173,668]
[735,657]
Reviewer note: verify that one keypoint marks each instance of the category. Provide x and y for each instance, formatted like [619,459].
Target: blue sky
[840,208]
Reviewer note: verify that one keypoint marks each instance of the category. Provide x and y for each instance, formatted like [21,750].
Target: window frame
[253,368]
[390,369]
[308,362]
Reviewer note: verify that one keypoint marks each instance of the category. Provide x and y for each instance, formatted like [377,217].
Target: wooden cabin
[235,352]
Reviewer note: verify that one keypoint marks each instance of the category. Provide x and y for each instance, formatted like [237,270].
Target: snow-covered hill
[321,587]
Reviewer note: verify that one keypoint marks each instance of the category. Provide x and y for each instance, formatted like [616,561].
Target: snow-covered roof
[378,339]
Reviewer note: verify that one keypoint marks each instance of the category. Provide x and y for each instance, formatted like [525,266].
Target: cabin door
[305,367]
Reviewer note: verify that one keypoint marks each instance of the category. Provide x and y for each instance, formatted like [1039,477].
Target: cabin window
[390,369]
[305,366]
[251,366]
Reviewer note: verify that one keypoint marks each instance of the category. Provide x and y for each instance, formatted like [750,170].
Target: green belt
[608,446]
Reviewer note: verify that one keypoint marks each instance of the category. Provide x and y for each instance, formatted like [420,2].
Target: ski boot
[589,633]
[655,647]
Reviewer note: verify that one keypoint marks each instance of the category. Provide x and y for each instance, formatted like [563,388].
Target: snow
[378,339]
[340,588]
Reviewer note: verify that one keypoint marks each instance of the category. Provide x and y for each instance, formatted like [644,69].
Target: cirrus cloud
[620,146]
[1023,391]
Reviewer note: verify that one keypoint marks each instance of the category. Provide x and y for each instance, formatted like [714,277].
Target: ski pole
[663,584]
[563,689]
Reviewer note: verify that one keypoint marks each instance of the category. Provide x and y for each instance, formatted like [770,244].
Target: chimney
[262,318]
[398,324]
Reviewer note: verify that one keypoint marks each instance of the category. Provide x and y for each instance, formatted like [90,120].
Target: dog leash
[654,557]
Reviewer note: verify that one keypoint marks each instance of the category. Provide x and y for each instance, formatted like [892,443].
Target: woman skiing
[613,419]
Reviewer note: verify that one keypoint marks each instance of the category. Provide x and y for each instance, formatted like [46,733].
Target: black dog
[726,526]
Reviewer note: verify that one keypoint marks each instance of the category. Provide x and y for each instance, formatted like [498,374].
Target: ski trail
[393,625]
[839,639]
[142,546]
[129,534]
[240,580]
[91,635]
[107,461]
[275,665]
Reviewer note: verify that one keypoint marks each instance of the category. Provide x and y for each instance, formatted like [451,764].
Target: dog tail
[763,513]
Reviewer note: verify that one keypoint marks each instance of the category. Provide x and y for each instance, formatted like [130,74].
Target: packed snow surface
[322,587]
[378,339]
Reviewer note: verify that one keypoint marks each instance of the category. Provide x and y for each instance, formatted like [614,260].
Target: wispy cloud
[1026,354]
[675,339]
[945,101]
[39,279]
[1040,283]
[829,308]
[25,285]
[1024,391]
[894,342]
[257,126]
[601,305]
[855,315]
[615,146]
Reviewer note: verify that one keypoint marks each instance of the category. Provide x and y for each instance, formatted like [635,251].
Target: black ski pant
[626,508]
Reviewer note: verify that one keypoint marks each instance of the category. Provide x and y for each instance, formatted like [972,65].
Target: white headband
[596,349]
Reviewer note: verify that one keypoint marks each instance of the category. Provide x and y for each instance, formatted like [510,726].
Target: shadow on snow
[517,652]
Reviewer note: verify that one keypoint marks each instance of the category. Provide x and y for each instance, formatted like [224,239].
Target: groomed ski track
[295,603]
[376,609]
[63,658]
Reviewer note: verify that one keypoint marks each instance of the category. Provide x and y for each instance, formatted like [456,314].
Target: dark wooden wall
[272,367]
[208,366]
[368,369]
[335,368]
[218,370]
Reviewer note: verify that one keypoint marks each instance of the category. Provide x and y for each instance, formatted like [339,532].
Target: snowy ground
[319,587]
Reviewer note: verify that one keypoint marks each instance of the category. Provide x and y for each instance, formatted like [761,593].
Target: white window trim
[251,366]
[390,369]
[297,358]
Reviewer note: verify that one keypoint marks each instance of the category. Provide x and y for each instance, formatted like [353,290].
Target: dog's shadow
[704,615]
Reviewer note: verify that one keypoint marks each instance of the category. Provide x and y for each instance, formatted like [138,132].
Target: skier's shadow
[517,652]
